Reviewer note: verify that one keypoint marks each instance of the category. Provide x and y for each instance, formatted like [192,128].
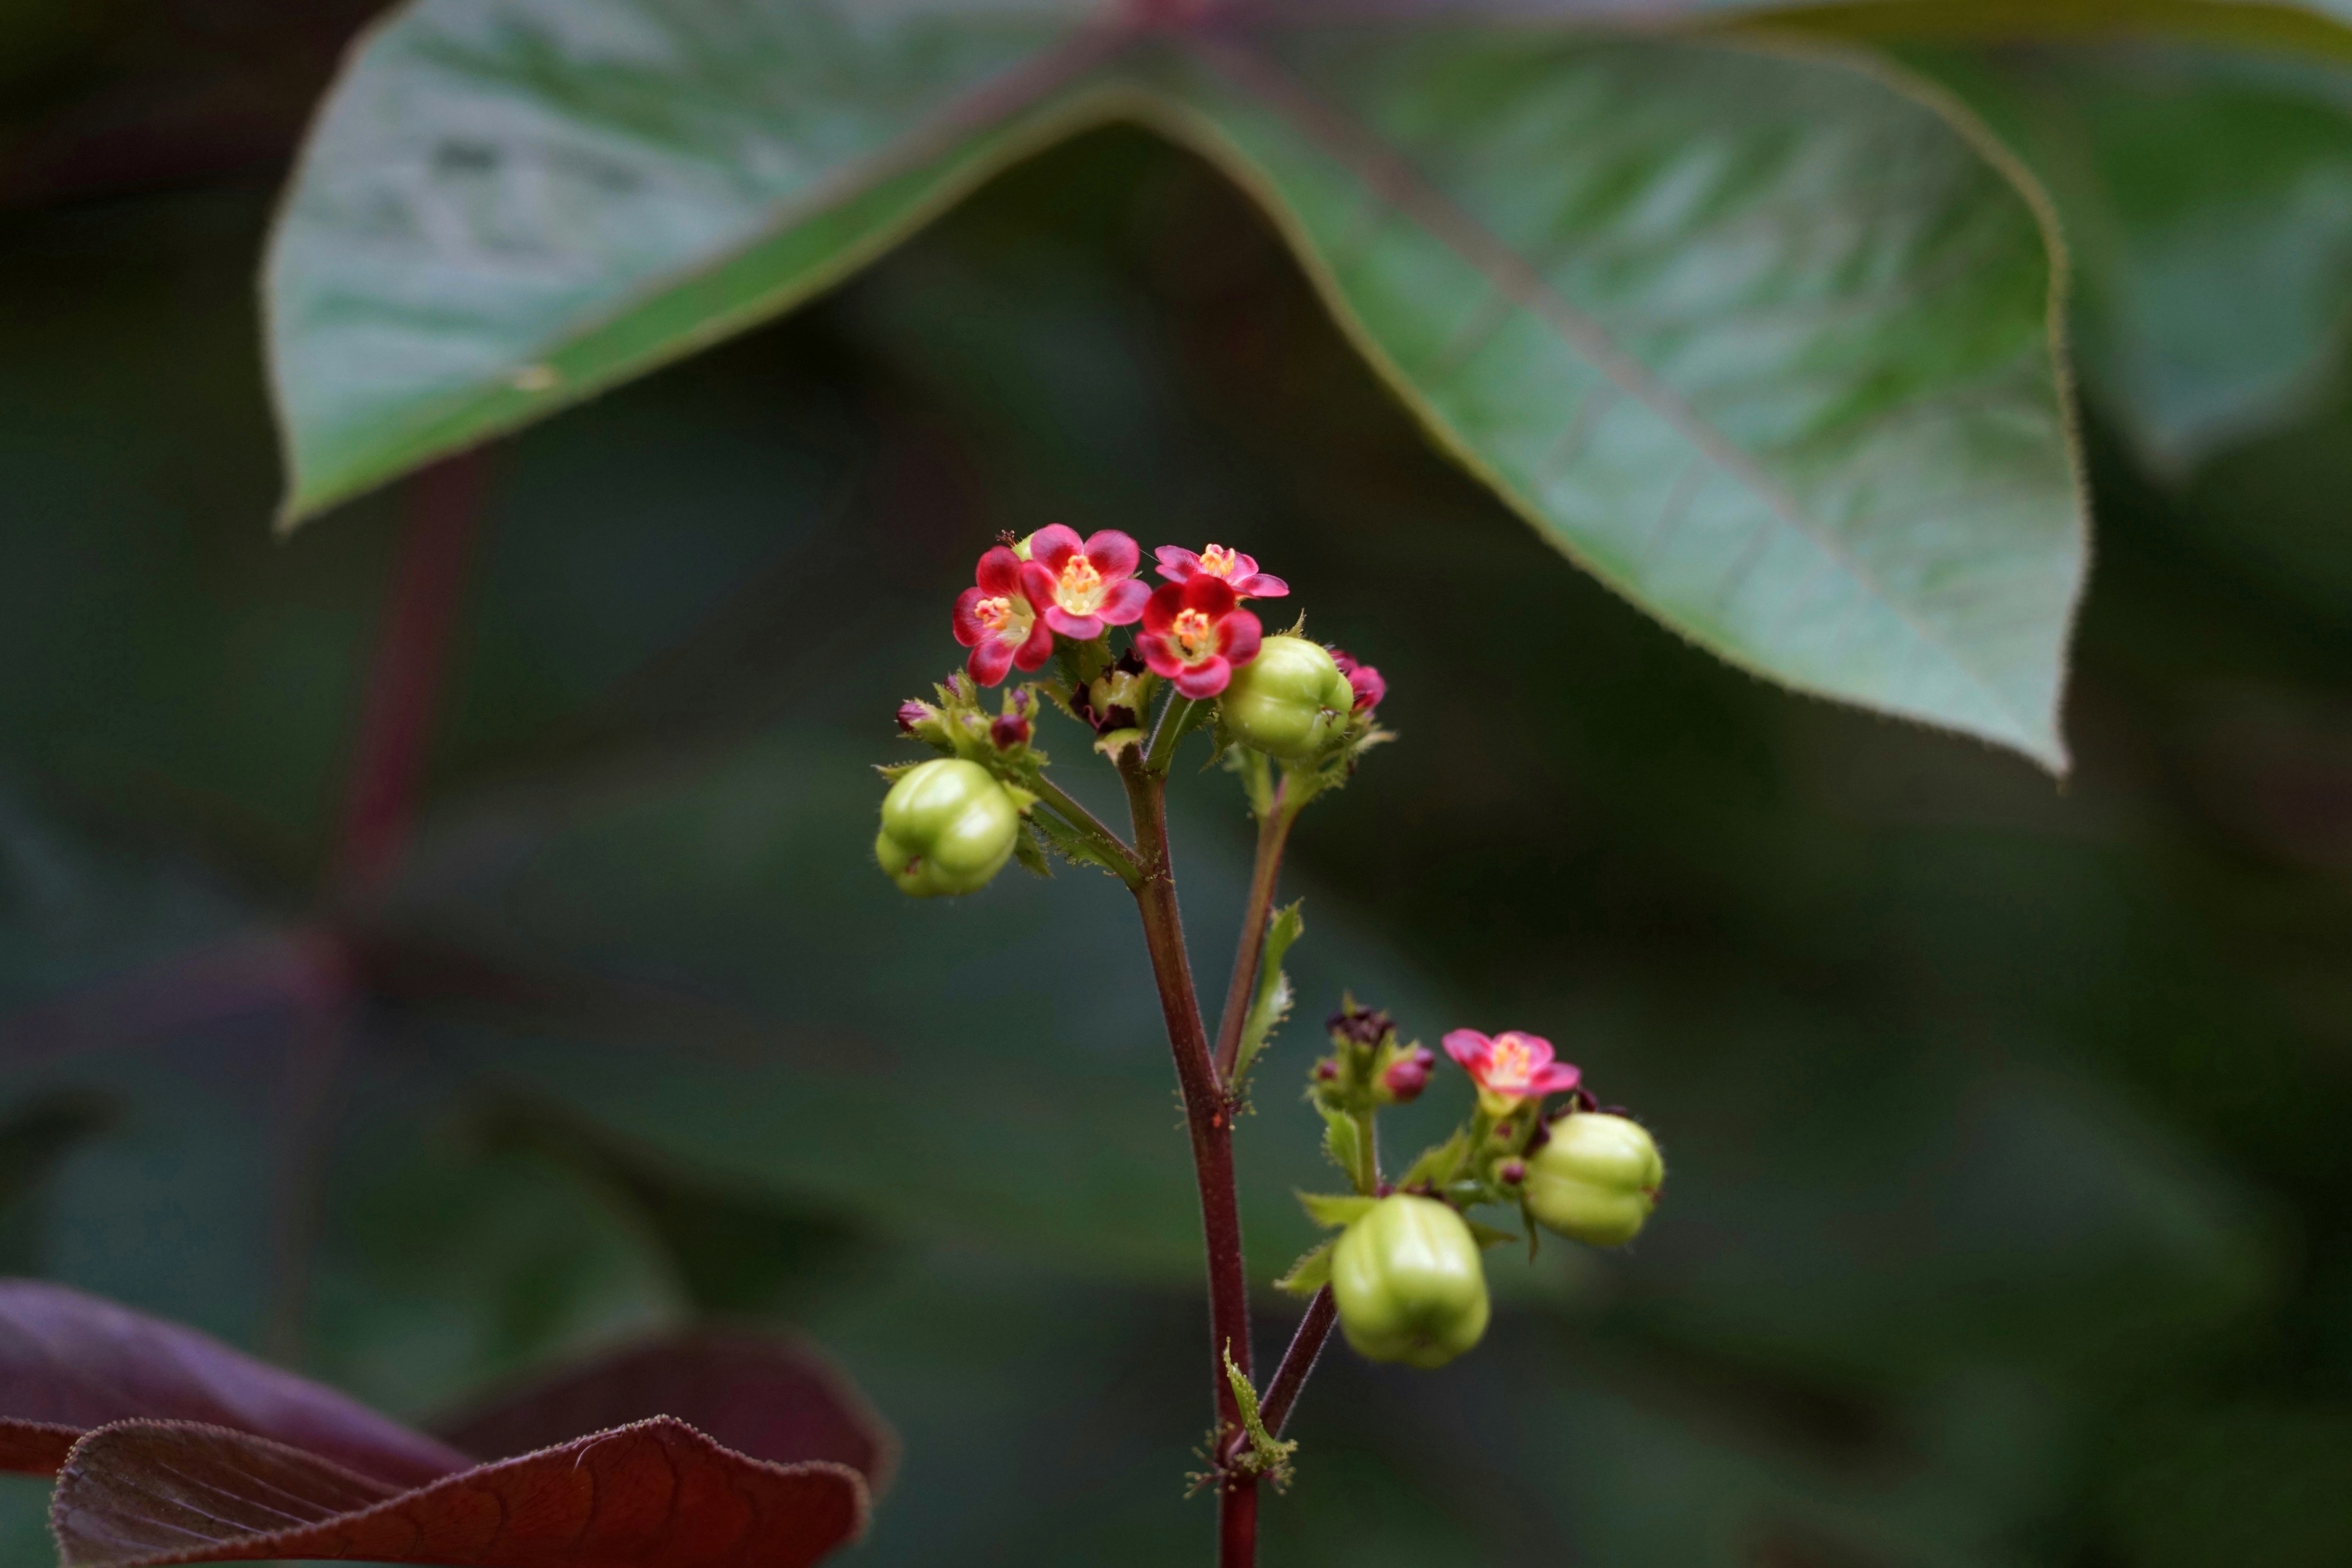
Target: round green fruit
[1291,701]
[1596,1180]
[947,827]
[1409,1283]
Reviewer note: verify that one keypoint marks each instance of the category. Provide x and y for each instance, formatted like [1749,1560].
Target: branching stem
[1210,1122]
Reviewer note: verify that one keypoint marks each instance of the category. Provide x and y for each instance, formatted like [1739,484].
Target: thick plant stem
[1282,1393]
[1272,833]
[1210,1121]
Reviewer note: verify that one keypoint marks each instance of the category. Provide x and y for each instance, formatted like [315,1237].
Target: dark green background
[2008,1215]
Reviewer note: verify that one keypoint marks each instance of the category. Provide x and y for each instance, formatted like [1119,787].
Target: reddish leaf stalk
[1210,1121]
[1299,1360]
[1273,834]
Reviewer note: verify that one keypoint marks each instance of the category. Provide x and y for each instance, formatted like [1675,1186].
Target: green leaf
[1309,1274]
[507,208]
[1332,1210]
[1761,340]
[1275,996]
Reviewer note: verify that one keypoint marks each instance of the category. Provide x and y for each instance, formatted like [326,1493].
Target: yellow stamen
[1195,635]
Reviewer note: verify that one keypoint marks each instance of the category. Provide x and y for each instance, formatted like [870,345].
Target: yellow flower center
[1509,1064]
[1195,635]
[1081,587]
[1219,562]
[993,614]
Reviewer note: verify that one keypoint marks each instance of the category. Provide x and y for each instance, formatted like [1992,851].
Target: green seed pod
[1291,701]
[947,827]
[1597,1180]
[1409,1283]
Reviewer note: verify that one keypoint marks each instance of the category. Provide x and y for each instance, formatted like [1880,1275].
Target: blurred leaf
[783,1403]
[503,211]
[2207,202]
[144,1492]
[71,1361]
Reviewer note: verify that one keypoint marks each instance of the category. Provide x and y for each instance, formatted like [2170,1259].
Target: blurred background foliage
[2011,1220]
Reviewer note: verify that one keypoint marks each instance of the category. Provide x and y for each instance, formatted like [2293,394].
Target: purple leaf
[70,1363]
[774,1400]
[152,1492]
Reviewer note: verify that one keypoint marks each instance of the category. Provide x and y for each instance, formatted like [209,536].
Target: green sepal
[1309,1274]
[1275,996]
[1068,842]
[1437,1164]
[1029,849]
[1343,1140]
[1333,1210]
[894,772]
[1488,1235]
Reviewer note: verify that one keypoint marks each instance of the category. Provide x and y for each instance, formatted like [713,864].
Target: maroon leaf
[152,1492]
[771,1399]
[70,1363]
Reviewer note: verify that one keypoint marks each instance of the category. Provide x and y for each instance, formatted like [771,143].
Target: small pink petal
[1467,1045]
[1034,653]
[1205,679]
[968,629]
[1176,563]
[1159,658]
[1160,611]
[1261,586]
[999,573]
[1055,545]
[1081,628]
[1124,604]
[989,661]
[1238,637]
[1115,554]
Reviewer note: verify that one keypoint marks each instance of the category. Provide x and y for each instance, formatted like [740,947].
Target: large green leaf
[1761,340]
[505,208]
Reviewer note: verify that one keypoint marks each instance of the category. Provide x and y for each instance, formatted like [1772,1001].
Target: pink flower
[1239,571]
[1084,584]
[1362,680]
[998,622]
[1194,633]
[1511,1066]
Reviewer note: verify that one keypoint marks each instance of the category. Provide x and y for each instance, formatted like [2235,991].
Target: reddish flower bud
[1361,1026]
[1407,1077]
[1009,729]
[1511,1172]
[1326,1071]
[1362,680]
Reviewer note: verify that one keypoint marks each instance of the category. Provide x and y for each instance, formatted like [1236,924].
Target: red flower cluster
[1193,632]
[1511,1066]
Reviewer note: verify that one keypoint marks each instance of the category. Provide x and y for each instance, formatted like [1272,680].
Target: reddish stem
[1273,832]
[1299,1360]
[411,650]
[1210,1121]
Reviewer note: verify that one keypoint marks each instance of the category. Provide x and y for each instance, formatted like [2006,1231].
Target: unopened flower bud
[1291,701]
[1511,1172]
[923,722]
[1362,680]
[1008,730]
[1359,1025]
[1326,1071]
[1596,1179]
[1409,1283]
[947,827]
[1407,1076]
